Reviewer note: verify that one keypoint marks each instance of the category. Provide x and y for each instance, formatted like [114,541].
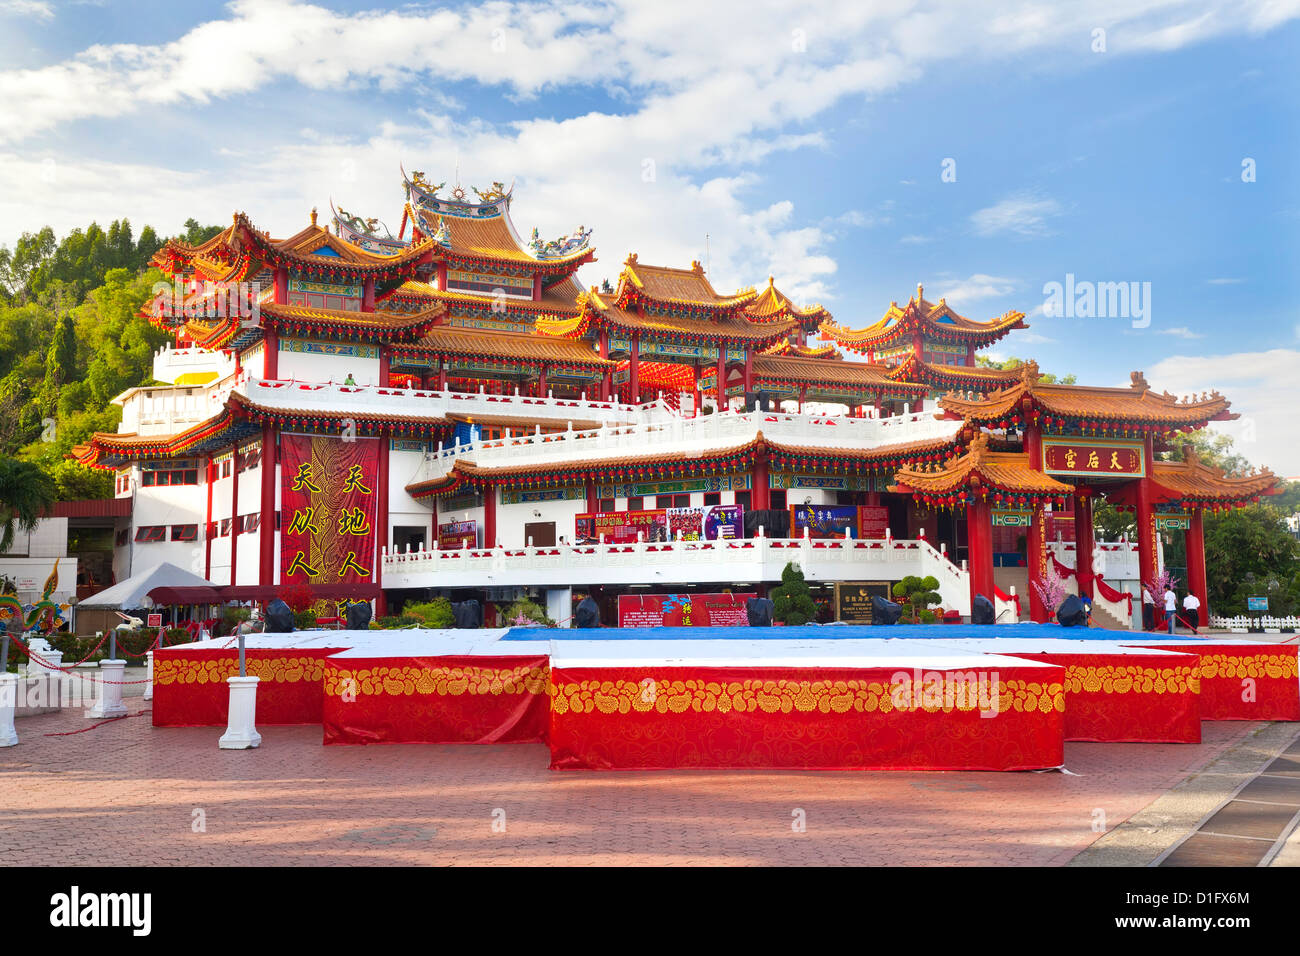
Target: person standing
[1171,607]
[1148,610]
[1192,610]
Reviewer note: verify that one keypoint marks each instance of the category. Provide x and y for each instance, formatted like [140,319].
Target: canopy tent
[134,591]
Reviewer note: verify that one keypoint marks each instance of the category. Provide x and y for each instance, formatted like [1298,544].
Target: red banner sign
[454,535]
[873,521]
[327,506]
[621,527]
[683,610]
[1072,456]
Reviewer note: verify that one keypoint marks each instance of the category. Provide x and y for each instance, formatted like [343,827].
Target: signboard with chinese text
[1179,522]
[853,600]
[823,521]
[621,527]
[683,610]
[1010,518]
[327,500]
[873,521]
[1093,458]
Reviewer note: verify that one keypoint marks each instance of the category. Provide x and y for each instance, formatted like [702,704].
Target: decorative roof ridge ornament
[365,227]
[575,241]
[1029,373]
[1138,381]
[497,191]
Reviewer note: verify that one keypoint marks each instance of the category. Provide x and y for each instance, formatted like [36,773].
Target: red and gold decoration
[328,490]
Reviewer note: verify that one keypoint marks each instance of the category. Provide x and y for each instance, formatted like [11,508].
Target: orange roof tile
[519,346]
[1193,481]
[981,468]
[919,314]
[830,373]
[1137,403]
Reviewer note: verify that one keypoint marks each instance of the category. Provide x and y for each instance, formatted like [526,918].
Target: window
[606,504]
[151,533]
[122,537]
[778,499]
[185,532]
[179,476]
[225,527]
[664,501]
[225,468]
[636,504]
[742,499]
[712,498]
[251,523]
[681,501]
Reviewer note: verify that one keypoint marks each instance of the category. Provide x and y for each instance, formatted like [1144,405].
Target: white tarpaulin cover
[133,592]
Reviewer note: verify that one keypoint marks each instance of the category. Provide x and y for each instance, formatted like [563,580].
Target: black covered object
[468,614]
[588,613]
[279,618]
[1072,613]
[759,611]
[358,616]
[982,610]
[884,612]
[774,521]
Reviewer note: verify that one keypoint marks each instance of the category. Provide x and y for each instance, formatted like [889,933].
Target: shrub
[433,614]
[792,602]
[918,593]
[523,613]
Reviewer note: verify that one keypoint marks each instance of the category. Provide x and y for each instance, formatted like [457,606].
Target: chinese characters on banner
[683,610]
[711,523]
[873,521]
[823,521]
[1074,456]
[621,527]
[328,511]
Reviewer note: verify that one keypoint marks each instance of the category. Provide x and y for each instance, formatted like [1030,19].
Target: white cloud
[36,9]
[1182,332]
[973,288]
[1262,389]
[1224,281]
[1023,215]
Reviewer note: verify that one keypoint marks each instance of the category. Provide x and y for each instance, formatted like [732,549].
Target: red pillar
[270,354]
[489,517]
[606,380]
[1148,550]
[593,502]
[442,277]
[699,397]
[281,286]
[210,474]
[749,371]
[537,288]
[1196,582]
[1033,445]
[541,383]
[979,544]
[722,376]
[382,536]
[803,397]
[368,295]
[266,526]
[634,372]
[761,493]
[1083,540]
[385,360]
[234,517]
[1036,560]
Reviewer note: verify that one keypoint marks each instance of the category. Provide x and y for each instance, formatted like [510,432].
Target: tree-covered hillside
[70,340]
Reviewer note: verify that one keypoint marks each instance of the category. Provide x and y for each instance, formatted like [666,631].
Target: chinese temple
[445,410]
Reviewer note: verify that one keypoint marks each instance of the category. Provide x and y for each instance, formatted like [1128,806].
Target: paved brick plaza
[125,793]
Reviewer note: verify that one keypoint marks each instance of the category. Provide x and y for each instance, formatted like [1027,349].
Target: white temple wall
[512,518]
[167,506]
[303,366]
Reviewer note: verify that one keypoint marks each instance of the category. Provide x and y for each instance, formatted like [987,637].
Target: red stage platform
[824,705]
[945,704]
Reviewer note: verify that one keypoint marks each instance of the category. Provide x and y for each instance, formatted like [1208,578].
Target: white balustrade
[669,562]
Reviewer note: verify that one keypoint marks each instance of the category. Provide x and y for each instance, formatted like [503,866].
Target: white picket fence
[1243,622]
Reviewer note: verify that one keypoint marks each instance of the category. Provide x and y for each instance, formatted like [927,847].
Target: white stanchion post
[109,702]
[148,676]
[8,705]
[54,663]
[241,729]
[36,647]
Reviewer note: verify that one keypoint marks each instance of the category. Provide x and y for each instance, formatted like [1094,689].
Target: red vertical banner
[328,509]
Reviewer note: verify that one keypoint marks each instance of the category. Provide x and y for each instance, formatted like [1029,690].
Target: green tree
[792,602]
[1248,551]
[918,593]
[26,493]
[1013,362]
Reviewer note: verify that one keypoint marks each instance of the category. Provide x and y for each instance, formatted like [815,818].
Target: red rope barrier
[101,723]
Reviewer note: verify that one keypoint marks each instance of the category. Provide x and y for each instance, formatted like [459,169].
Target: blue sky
[805,146]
